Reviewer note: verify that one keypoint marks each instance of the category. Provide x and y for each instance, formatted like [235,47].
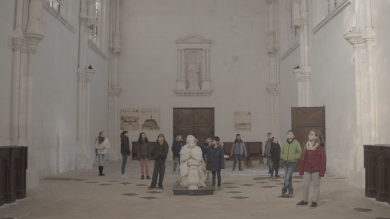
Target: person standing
[275,154]
[143,154]
[125,150]
[312,166]
[160,152]
[238,149]
[207,144]
[176,148]
[215,161]
[267,150]
[102,145]
[290,154]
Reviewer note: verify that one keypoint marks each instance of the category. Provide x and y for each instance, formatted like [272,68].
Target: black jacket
[125,146]
[176,147]
[275,151]
[204,148]
[215,158]
[160,151]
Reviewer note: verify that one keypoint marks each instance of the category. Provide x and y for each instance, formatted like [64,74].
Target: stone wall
[239,61]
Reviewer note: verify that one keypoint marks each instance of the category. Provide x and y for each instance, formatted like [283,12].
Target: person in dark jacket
[238,149]
[125,150]
[312,166]
[215,161]
[160,152]
[176,148]
[275,154]
[207,144]
[143,154]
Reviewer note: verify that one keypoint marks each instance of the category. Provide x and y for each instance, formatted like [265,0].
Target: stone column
[181,81]
[17,43]
[33,35]
[206,83]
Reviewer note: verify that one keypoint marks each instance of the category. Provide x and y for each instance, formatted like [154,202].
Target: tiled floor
[248,194]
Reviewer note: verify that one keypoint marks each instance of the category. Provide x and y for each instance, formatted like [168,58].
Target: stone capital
[32,40]
[299,73]
[88,75]
[115,90]
[80,75]
[273,89]
[354,38]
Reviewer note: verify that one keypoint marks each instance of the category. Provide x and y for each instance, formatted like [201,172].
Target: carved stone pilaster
[115,45]
[80,75]
[91,13]
[273,89]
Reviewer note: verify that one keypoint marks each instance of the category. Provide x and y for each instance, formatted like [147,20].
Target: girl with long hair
[312,166]
[143,154]
[102,145]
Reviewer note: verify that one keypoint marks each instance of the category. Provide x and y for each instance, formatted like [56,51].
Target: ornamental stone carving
[193,66]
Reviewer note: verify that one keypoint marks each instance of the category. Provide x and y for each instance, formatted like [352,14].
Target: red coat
[314,162]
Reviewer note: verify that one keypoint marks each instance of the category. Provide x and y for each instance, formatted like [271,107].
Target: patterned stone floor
[247,194]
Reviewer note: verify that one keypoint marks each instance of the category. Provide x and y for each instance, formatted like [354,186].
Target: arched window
[55,4]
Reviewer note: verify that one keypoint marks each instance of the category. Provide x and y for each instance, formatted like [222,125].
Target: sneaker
[277,176]
[284,195]
[124,176]
[174,173]
[147,177]
[302,203]
[233,170]
[208,179]
[161,187]
[290,195]
[240,169]
[269,172]
[151,188]
[313,205]
[142,177]
[272,175]
[219,189]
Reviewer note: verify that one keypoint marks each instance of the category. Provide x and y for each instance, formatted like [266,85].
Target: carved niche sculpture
[193,66]
[191,165]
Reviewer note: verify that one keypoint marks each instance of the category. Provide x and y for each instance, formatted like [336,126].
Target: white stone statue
[193,76]
[191,165]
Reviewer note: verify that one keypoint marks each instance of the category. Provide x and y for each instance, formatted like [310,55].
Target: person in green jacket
[290,154]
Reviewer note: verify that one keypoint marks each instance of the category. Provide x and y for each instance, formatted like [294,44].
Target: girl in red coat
[312,166]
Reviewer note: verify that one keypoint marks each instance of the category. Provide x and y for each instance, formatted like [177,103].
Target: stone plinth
[179,190]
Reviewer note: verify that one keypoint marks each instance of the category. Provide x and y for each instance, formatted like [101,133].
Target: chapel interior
[71,69]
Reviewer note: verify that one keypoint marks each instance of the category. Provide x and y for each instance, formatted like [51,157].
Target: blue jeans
[101,158]
[270,163]
[158,171]
[239,158]
[218,174]
[124,162]
[289,169]
[177,161]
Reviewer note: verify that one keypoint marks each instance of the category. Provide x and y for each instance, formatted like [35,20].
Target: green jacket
[291,151]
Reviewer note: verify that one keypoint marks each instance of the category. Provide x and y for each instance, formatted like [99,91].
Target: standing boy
[176,148]
[290,154]
[267,151]
[160,152]
[238,149]
[215,161]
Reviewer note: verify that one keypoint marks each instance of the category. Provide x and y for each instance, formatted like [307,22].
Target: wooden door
[303,120]
[198,122]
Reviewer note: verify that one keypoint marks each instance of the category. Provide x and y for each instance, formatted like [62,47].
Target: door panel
[303,120]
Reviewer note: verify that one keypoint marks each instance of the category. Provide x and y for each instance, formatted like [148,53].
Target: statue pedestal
[179,190]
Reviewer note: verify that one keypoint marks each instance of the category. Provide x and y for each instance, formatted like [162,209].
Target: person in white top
[101,145]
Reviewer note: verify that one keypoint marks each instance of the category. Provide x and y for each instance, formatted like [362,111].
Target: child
[312,166]
[275,154]
[176,148]
[215,161]
[160,152]
[290,154]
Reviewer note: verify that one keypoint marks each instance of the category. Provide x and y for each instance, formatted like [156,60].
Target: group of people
[312,159]
[312,163]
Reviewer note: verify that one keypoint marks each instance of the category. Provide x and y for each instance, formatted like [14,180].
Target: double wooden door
[198,122]
[305,119]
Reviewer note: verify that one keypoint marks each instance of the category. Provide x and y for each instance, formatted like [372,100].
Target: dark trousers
[159,170]
[239,158]
[275,167]
[218,174]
